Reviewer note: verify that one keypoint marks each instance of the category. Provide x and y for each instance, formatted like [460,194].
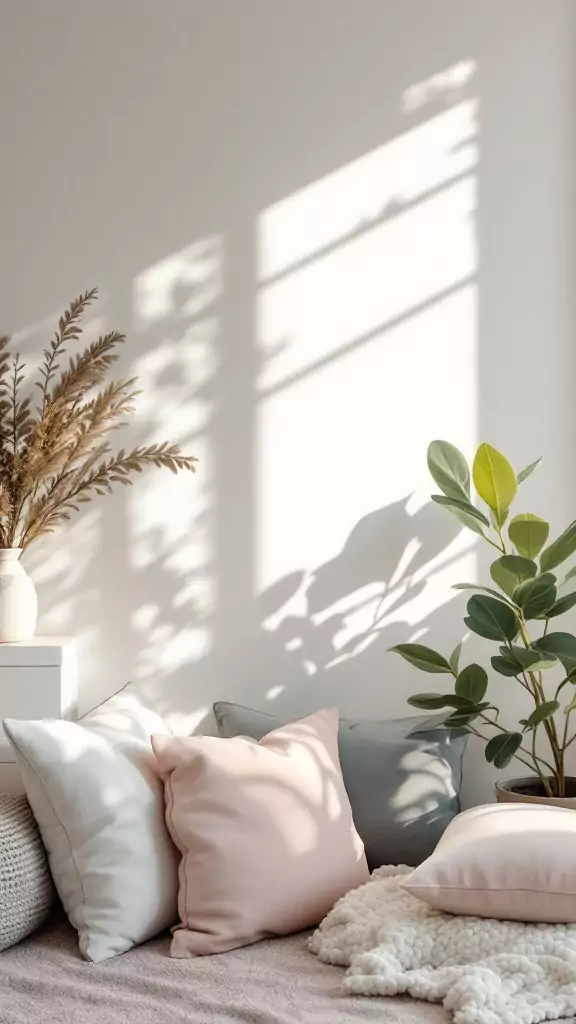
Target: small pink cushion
[265,831]
[509,861]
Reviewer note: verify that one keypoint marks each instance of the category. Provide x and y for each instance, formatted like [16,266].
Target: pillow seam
[62,826]
[185,852]
[477,888]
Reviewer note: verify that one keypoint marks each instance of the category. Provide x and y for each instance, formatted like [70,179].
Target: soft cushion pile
[265,830]
[99,805]
[483,971]
[402,777]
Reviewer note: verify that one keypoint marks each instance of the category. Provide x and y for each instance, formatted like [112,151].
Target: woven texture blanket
[482,971]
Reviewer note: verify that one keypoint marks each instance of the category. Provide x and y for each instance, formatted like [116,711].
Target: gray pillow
[403,784]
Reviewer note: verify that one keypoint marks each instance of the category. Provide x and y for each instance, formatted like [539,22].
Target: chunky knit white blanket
[483,971]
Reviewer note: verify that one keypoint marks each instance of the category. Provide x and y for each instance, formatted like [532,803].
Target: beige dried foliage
[55,457]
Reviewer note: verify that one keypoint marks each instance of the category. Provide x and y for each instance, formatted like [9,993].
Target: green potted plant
[515,613]
[55,454]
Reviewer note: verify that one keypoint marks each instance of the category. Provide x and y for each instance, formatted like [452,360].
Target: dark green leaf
[543,712]
[461,506]
[491,619]
[510,571]
[454,658]
[561,646]
[449,470]
[529,469]
[472,683]
[528,534]
[505,665]
[562,605]
[536,596]
[433,724]
[485,590]
[529,659]
[560,549]
[494,479]
[422,657]
[463,717]
[501,748]
[429,701]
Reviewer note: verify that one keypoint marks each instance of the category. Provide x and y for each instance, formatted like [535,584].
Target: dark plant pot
[530,790]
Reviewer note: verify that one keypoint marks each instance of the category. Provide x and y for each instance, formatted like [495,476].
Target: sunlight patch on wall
[369,279]
[181,286]
[170,522]
[380,184]
[446,86]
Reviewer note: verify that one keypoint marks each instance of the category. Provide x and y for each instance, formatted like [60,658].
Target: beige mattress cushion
[273,982]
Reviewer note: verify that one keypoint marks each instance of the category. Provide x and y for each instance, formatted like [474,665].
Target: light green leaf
[454,658]
[422,657]
[505,665]
[570,707]
[529,659]
[470,522]
[449,470]
[462,506]
[528,534]
[496,522]
[472,683]
[491,619]
[562,605]
[560,549]
[570,575]
[501,748]
[562,646]
[510,571]
[494,479]
[485,590]
[536,596]
[543,712]
[529,469]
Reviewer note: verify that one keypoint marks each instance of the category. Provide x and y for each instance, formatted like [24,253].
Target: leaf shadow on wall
[298,661]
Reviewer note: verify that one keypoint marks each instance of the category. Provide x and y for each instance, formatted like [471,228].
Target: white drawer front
[35,692]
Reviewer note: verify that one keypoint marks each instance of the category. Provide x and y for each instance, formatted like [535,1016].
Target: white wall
[332,231]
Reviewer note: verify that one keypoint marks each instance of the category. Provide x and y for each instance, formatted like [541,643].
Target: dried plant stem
[58,458]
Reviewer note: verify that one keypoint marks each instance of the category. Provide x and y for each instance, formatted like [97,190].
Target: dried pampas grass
[55,457]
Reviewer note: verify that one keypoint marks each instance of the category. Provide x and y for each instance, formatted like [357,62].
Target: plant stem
[502,549]
[549,724]
[543,778]
[570,742]
[560,686]
[502,541]
[537,760]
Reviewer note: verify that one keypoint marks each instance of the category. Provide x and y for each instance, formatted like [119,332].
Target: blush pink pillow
[265,831]
[509,861]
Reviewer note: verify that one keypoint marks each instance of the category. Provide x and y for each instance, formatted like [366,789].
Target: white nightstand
[38,679]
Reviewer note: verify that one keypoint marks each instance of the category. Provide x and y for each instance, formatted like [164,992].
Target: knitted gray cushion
[25,885]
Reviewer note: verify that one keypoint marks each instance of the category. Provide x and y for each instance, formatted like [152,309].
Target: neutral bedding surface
[273,982]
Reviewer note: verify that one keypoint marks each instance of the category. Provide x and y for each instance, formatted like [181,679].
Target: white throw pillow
[509,861]
[99,805]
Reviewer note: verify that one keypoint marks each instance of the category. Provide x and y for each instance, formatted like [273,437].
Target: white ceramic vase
[18,600]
